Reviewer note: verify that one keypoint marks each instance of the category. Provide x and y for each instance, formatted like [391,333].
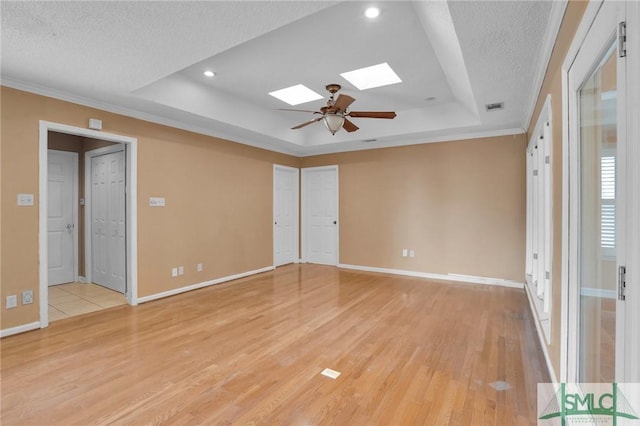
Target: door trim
[565,328]
[131,145]
[305,171]
[74,209]
[88,156]
[632,338]
[296,223]
[626,370]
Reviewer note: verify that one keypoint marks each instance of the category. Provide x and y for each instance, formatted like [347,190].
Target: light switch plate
[25,199]
[12,301]
[156,201]
[174,272]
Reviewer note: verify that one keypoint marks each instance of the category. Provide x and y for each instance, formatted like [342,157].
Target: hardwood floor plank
[410,351]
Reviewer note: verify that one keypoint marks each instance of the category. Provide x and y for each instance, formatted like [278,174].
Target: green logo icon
[577,402]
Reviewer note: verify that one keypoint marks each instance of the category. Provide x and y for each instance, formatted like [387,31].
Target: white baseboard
[447,277]
[82,279]
[20,329]
[202,284]
[543,343]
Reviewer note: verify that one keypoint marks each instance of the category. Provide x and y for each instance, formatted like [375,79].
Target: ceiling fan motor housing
[335,113]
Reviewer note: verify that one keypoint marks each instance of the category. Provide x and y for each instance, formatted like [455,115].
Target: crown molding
[128,112]
[558,9]
[303,151]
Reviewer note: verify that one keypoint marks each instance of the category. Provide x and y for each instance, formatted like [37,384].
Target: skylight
[373,76]
[296,95]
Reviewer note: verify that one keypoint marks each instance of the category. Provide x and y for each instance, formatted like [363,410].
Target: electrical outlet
[174,272]
[180,270]
[199,267]
[12,301]
[25,199]
[27,297]
[404,252]
[412,253]
[157,201]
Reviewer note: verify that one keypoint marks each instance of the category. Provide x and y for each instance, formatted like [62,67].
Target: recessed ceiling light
[209,73]
[370,77]
[372,12]
[296,95]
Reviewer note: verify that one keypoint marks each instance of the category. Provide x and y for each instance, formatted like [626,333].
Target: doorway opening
[286,188]
[87,209]
[320,228]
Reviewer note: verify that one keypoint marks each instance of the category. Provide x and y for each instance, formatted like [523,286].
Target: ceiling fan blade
[342,102]
[349,126]
[372,114]
[299,110]
[306,123]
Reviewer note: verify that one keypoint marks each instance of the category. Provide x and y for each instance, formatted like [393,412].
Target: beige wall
[460,205]
[218,194]
[552,84]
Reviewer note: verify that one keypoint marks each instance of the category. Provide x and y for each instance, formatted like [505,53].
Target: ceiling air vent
[369,140]
[495,106]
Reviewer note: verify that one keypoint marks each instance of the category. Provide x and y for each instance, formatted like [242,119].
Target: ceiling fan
[335,113]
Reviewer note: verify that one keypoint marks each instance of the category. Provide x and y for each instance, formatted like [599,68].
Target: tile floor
[70,300]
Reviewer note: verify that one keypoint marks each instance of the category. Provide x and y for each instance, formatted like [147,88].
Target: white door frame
[131,145]
[630,371]
[296,222]
[305,171]
[74,210]
[88,243]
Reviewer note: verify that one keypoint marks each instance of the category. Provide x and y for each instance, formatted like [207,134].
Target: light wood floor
[73,299]
[411,351]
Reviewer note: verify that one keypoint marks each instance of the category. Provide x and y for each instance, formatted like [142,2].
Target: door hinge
[622,282]
[622,39]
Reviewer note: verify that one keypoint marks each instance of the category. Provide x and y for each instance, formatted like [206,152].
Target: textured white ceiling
[146,58]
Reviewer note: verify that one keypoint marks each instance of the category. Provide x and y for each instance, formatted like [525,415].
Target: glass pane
[597,223]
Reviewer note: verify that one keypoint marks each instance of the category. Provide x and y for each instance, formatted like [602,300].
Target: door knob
[69,226]
[335,222]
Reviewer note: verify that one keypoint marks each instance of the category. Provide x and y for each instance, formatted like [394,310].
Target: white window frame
[539,229]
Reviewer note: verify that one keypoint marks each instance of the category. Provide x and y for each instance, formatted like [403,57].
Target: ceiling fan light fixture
[333,122]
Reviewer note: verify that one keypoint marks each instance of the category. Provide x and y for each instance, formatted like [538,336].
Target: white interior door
[285,215]
[320,214]
[108,230]
[597,115]
[61,216]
